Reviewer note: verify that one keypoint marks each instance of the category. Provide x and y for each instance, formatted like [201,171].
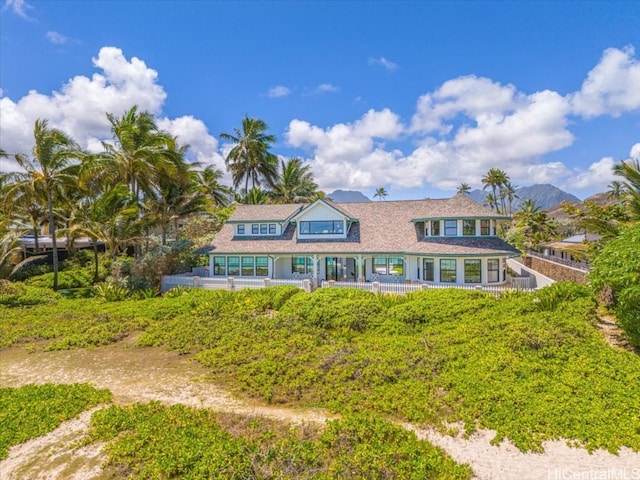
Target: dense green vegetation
[31,411]
[532,367]
[155,441]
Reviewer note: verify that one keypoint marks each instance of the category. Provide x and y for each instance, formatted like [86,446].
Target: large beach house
[440,241]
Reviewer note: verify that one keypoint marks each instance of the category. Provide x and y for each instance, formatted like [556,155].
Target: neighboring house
[571,249]
[444,241]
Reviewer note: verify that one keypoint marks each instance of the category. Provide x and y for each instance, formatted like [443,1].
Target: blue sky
[413,96]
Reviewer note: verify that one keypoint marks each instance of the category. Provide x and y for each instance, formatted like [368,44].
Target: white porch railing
[227,283]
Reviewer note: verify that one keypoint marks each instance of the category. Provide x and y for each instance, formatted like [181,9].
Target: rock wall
[557,271]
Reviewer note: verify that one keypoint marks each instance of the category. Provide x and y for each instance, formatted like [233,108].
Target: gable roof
[382,227]
[326,202]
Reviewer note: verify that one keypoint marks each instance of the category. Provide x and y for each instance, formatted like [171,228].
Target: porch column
[316,262]
[210,265]
[273,266]
[359,260]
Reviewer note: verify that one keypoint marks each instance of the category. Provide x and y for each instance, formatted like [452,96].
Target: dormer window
[435,228]
[322,227]
[240,230]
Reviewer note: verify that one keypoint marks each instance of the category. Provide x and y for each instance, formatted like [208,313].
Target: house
[442,241]
[571,249]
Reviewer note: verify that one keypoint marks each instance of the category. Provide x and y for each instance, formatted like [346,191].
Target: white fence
[227,283]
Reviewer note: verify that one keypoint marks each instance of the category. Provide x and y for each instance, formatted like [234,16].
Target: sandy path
[144,374]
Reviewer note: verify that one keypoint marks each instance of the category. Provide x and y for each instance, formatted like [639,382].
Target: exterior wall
[247,229]
[557,271]
[320,212]
[538,280]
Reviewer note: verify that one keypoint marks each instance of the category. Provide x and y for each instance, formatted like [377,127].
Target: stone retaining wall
[557,271]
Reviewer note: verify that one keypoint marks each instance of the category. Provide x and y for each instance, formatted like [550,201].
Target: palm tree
[250,157]
[534,224]
[509,192]
[495,178]
[616,190]
[295,183]
[630,171]
[49,169]
[139,152]
[174,197]
[381,193]
[209,182]
[464,188]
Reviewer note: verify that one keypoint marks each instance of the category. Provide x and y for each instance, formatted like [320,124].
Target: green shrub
[30,267]
[110,292]
[346,310]
[21,295]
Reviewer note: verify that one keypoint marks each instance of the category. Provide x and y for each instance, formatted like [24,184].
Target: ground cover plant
[533,367]
[151,440]
[33,410]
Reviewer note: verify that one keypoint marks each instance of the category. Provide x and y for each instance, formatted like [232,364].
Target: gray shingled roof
[383,227]
[264,213]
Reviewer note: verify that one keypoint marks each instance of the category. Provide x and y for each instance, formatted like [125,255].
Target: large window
[302,265]
[233,266]
[240,229]
[472,271]
[451,228]
[219,265]
[447,270]
[247,266]
[380,265]
[388,265]
[485,227]
[435,228]
[468,227]
[322,227]
[262,267]
[493,270]
[428,269]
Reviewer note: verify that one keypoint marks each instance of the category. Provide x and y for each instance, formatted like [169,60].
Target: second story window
[451,228]
[255,229]
[435,228]
[240,229]
[468,227]
[485,227]
[322,227]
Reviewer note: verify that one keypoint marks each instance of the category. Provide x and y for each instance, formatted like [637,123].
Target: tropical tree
[381,193]
[295,183]
[139,153]
[616,190]
[250,157]
[208,181]
[464,188]
[630,171]
[534,225]
[508,192]
[50,169]
[495,179]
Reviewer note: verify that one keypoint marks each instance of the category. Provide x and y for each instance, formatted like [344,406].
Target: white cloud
[596,177]
[326,88]
[79,108]
[19,7]
[278,91]
[634,154]
[383,62]
[203,147]
[612,87]
[56,38]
